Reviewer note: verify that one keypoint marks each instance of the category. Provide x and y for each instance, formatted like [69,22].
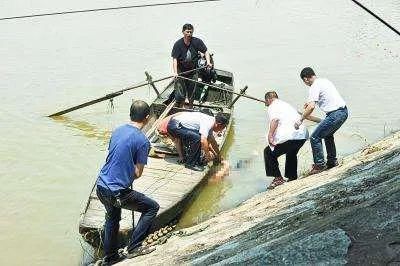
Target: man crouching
[195,130]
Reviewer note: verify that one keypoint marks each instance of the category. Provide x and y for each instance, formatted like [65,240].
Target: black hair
[207,111]
[271,94]
[187,26]
[220,118]
[307,72]
[139,111]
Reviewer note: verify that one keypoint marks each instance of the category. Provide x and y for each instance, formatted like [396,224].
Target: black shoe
[330,165]
[140,251]
[197,168]
[203,163]
[111,260]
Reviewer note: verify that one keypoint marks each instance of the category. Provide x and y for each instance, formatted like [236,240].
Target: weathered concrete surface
[349,214]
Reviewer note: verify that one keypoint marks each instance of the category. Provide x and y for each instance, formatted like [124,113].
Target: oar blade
[104,98]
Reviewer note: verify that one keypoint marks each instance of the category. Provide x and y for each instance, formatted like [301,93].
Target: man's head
[221,121]
[308,76]
[187,30]
[140,112]
[270,97]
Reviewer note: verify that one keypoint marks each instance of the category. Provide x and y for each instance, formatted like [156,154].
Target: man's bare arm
[204,146]
[208,59]
[138,170]
[215,146]
[308,109]
[175,66]
[273,125]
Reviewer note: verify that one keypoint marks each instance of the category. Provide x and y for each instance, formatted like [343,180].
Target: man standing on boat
[282,139]
[127,155]
[195,130]
[185,54]
[325,94]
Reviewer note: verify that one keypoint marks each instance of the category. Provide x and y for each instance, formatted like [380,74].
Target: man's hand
[208,156]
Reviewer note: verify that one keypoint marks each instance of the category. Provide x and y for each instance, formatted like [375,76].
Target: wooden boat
[164,180]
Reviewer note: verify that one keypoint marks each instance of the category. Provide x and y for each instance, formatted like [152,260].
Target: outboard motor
[207,75]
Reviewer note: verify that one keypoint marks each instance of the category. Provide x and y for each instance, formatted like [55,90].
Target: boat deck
[170,184]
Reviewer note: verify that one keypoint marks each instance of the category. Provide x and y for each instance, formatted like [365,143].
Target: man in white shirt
[323,93]
[195,130]
[283,138]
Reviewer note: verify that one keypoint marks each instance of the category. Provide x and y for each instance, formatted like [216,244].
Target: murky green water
[48,165]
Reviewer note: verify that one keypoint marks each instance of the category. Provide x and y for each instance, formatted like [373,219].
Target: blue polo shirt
[128,146]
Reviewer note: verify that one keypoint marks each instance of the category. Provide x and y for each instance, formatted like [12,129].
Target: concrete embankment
[349,214]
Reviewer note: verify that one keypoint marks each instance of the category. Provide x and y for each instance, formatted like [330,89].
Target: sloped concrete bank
[349,214]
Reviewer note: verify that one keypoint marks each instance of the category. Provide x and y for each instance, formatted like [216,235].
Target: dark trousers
[185,88]
[290,148]
[325,130]
[131,200]
[190,141]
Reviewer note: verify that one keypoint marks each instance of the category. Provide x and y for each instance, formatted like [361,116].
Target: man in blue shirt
[127,155]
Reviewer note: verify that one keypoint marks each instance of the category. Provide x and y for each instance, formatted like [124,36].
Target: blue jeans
[131,200]
[325,130]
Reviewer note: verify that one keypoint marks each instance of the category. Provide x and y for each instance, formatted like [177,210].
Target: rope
[105,9]
[376,16]
[110,107]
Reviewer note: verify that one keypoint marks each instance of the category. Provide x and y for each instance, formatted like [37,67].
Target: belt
[341,108]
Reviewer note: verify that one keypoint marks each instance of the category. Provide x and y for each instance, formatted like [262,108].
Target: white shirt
[324,93]
[196,121]
[287,116]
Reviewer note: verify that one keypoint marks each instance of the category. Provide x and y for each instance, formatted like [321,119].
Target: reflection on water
[84,128]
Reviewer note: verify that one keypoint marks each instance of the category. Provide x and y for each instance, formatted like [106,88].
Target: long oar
[310,118]
[117,93]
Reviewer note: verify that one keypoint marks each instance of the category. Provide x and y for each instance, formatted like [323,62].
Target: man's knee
[292,156]
[315,138]
[113,218]
[152,204]
[153,207]
[156,206]
[267,152]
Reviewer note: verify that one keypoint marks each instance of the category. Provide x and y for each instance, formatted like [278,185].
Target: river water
[49,165]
